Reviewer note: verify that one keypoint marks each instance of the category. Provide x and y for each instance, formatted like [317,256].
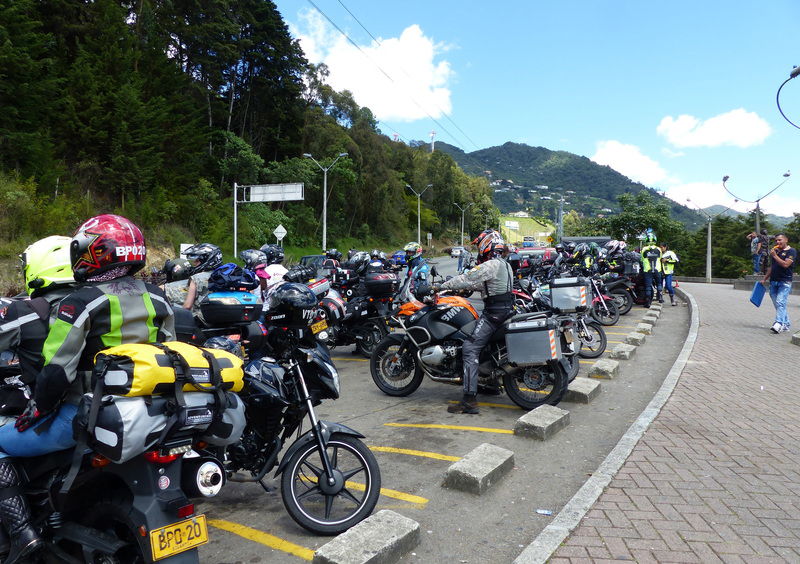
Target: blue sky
[672,94]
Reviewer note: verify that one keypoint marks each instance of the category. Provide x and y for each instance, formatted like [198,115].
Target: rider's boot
[672,300]
[15,515]
[468,404]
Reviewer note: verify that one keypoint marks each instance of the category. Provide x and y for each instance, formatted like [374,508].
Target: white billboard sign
[513,225]
[272,192]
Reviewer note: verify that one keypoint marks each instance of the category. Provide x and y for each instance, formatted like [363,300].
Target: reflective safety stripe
[114,335]
[55,337]
[553,351]
[151,314]
[583,296]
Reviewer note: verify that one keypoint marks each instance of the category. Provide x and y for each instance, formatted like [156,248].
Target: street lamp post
[463,211]
[709,219]
[419,198]
[757,201]
[325,195]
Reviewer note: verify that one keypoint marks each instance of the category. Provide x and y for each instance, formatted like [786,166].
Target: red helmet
[105,242]
[489,244]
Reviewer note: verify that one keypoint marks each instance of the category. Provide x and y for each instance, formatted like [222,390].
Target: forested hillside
[595,186]
[153,109]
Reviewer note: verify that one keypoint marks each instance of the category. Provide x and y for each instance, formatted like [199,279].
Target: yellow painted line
[263,538]
[402,496]
[343,359]
[589,361]
[410,452]
[615,342]
[610,333]
[454,427]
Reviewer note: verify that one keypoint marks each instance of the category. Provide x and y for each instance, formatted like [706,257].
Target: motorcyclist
[377,261]
[651,268]
[255,260]
[418,268]
[109,307]
[332,260]
[274,269]
[176,288]
[205,257]
[494,277]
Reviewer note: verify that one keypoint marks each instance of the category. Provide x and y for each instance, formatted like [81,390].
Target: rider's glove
[29,417]
[436,287]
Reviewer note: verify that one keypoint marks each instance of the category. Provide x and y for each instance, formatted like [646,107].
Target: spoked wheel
[372,333]
[533,386]
[593,339]
[624,301]
[329,507]
[605,312]
[395,375]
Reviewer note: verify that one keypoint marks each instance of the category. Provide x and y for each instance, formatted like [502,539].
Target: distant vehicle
[457,251]
[528,242]
[398,257]
[313,261]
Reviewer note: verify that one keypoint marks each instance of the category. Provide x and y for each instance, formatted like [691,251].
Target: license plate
[319,326]
[178,537]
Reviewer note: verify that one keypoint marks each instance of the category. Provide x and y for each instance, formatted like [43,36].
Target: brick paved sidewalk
[716,477]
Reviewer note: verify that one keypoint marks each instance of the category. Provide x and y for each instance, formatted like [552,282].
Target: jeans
[651,277]
[28,443]
[779,292]
[756,264]
[668,284]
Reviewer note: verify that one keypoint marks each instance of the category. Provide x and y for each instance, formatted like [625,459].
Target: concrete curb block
[605,368]
[651,315]
[542,423]
[635,338]
[623,351]
[544,545]
[384,537]
[656,307]
[645,328]
[479,469]
[796,338]
[582,390]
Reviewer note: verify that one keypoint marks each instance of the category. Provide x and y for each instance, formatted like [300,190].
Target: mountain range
[535,178]
[778,221]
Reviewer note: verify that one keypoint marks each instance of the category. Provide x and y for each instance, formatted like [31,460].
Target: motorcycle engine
[438,355]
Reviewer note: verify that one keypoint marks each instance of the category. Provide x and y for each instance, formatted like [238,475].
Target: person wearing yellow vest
[651,269]
[668,261]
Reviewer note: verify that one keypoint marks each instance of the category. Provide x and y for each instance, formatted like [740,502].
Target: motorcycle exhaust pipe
[202,477]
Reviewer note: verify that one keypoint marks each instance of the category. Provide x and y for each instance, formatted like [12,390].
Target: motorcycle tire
[603,317]
[400,377]
[533,386]
[624,301]
[375,332]
[111,516]
[594,343]
[574,366]
[348,502]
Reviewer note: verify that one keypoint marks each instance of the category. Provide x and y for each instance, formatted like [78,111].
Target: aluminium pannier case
[532,339]
[230,308]
[153,369]
[129,426]
[570,294]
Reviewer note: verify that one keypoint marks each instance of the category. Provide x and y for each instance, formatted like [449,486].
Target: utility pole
[433,134]
[709,220]
[419,197]
[325,195]
[463,211]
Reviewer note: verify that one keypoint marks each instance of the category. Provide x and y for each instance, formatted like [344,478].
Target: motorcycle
[431,346]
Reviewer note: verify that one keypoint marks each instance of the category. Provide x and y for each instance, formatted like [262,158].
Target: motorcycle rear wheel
[574,366]
[533,386]
[593,342]
[394,376]
[111,516]
[330,510]
[599,313]
[375,331]
[624,301]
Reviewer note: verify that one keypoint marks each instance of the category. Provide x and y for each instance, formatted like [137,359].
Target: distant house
[520,214]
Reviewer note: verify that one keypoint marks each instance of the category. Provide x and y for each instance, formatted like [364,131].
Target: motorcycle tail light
[186,511]
[98,461]
[156,457]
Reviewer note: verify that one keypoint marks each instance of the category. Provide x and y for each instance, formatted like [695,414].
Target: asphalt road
[250,525]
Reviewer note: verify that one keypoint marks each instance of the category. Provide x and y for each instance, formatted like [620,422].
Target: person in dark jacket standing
[494,277]
[109,308]
[779,274]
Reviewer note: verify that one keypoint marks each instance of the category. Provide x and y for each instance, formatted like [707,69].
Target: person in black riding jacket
[494,277]
[108,308]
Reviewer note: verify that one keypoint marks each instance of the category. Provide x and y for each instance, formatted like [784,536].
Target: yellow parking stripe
[263,538]
[454,427]
[402,496]
[410,452]
[345,359]
[610,333]
[615,342]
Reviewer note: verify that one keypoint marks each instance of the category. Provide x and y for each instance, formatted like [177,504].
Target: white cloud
[630,161]
[419,84]
[738,128]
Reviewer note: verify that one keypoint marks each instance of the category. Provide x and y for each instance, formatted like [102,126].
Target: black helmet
[252,258]
[292,305]
[333,254]
[225,344]
[273,252]
[177,269]
[209,255]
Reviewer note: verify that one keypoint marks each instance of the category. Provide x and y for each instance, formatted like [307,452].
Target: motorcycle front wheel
[624,301]
[394,375]
[329,509]
[532,386]
[373,332]
[605,312]
[593,339]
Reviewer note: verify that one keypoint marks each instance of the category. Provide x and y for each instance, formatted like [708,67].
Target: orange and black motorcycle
[524,357]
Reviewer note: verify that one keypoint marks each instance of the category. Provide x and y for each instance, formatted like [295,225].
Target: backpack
[231,277]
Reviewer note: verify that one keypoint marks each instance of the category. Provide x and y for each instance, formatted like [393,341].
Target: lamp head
[342,154]
[787,174]
[725,178]
[307,155]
